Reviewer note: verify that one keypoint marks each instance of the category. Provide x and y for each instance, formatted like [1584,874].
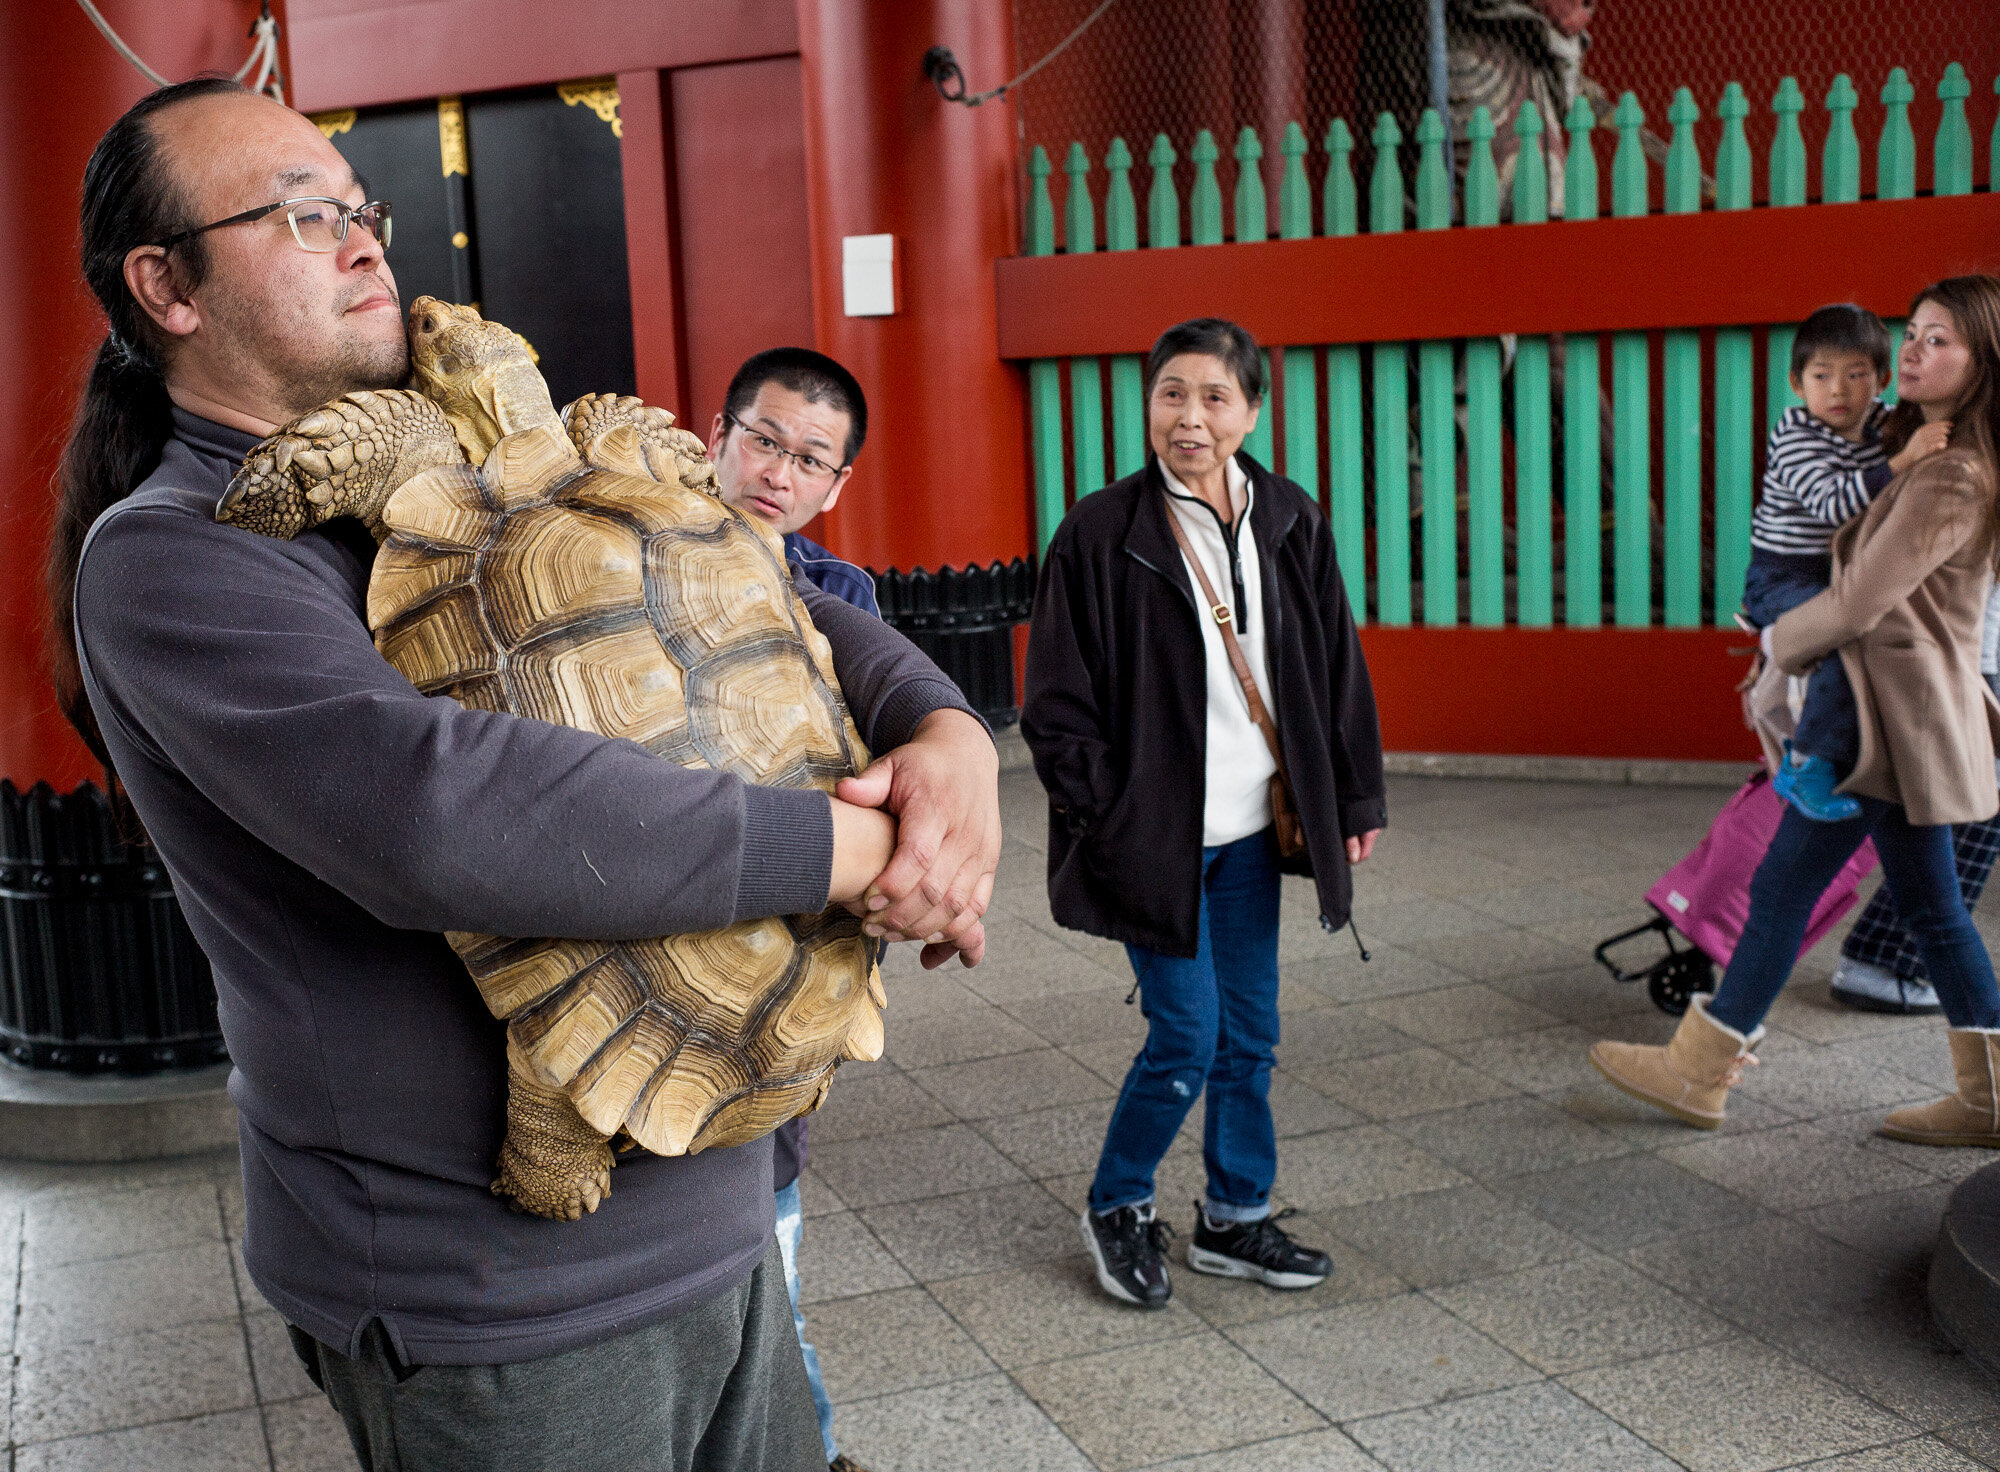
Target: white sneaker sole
[1215,1264]
[1104,1279]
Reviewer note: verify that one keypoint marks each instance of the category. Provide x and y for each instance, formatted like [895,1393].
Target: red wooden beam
[355,53]
[1640,694]
[652,245]
[1703,270]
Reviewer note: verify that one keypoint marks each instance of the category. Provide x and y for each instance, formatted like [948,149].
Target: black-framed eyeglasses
[319,224]
[761,446]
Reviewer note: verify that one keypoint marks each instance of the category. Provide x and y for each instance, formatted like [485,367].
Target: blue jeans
[791,1231]
[1829,723]
[1917,864]
[1212,1023]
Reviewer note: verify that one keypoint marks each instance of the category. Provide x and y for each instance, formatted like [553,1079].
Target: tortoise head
[479,373]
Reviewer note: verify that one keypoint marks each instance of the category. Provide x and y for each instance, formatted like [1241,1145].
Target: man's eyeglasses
[318,224]
[763,450]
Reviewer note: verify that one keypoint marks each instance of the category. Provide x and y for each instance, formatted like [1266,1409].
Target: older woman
[1192,642]
[1904,617]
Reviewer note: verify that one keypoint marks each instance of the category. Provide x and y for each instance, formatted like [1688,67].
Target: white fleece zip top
[1239,767]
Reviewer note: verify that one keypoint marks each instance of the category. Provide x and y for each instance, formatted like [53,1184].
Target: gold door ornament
[600,95]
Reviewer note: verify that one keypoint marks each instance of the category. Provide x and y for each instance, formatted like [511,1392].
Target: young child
[1824,464]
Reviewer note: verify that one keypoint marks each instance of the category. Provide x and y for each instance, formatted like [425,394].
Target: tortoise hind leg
[552,1163]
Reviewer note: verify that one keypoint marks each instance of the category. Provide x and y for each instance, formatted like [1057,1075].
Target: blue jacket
[845,581]
[829,574]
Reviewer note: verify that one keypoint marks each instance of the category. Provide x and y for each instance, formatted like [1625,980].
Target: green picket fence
[1698,575]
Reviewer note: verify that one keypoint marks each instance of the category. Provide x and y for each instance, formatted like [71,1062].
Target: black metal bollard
[964,619]
[98,972]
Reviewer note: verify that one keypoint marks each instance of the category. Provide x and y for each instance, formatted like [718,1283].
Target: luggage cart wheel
[1674,981]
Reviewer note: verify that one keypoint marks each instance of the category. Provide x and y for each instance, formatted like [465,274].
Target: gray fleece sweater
[324,823]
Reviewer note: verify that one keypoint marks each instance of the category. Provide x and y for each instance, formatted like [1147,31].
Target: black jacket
[1116,709]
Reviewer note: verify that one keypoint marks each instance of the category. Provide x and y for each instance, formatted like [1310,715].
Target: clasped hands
[916,838]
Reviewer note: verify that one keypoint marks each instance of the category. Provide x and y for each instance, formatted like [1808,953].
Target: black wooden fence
[964,619]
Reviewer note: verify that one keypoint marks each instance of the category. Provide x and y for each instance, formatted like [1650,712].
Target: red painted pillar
[943,480]
[61,86]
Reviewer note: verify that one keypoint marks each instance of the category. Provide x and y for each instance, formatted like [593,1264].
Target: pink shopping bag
[1706,896]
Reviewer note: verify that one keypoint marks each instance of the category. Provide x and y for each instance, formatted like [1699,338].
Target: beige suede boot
[1972,1115]
[1691,1076]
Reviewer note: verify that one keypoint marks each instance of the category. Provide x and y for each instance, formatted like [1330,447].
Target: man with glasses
[784,444]
[325,824]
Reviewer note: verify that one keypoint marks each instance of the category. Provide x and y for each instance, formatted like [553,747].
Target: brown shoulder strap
[1223,619]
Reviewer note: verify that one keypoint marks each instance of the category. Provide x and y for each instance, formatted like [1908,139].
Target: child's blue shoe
[1806,782]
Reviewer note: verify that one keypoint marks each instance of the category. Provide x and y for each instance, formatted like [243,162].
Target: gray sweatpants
[719,1388]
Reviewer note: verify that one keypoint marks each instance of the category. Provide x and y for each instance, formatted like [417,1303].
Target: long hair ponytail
[124,418]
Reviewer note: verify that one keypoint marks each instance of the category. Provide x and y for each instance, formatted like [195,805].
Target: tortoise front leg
[344,459]
[667,454]
[552,1163]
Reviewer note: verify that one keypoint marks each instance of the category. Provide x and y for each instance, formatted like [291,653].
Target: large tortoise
[581,569]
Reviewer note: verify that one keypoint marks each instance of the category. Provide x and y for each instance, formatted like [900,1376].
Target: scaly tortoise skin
[594,579]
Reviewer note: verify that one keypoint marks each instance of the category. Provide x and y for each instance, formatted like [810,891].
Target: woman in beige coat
[1910,580]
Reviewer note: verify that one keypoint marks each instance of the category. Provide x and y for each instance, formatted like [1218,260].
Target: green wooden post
[1534,541]
[1344,443]
[1295,222]
[1045,374]
[1163,203]
[1680,404]
[1631,411]
[1735,383]
[1951,158]
[1252,218]
[1121,232]
[1086,375]
[1788,187]
[1896,154]
[1993,148]
[1205,199]
[1392,404]
[1583,492]
[1486,550]
[1437,408]
[1840,160]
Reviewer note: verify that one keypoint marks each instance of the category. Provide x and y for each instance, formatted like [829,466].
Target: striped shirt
[1815,479]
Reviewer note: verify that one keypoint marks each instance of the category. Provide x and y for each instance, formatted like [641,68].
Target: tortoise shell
[546,586]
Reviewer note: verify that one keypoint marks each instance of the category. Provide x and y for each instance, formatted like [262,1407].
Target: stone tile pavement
[1532,1272]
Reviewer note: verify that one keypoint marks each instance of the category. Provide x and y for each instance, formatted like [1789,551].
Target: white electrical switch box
[868,275]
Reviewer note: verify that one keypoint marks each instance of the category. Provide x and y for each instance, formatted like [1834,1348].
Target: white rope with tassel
[263,53]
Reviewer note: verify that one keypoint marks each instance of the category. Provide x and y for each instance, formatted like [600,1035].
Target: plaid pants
[1878,937]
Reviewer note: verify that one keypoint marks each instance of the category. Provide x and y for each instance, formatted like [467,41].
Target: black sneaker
[1259,1250]
[1127,1246]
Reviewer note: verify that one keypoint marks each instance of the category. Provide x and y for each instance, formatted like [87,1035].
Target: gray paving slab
[856,1108]
[912,1165]
[1010,1084]
[1736,1407]
[1893,1355]
[1051,1142]
[887,1342]
[1398,1085]
[953,1236]
[1141,1404]
[989,1422]
[75,1229]
[1767,1270]
[149,1290]
[1391,1354]
[224,1443]
[958,1036]
[1442,1237]
[1898,1229]
[273,1362]
[1580,1312]
[839,1257]
[1921,1454]
[1530,1428]
[1054,1310]
[1365,1163]
[1627,1200]
[1508,1137]
[107,1384]
[1794,1167]
[1316,1451]
[1457,1013]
